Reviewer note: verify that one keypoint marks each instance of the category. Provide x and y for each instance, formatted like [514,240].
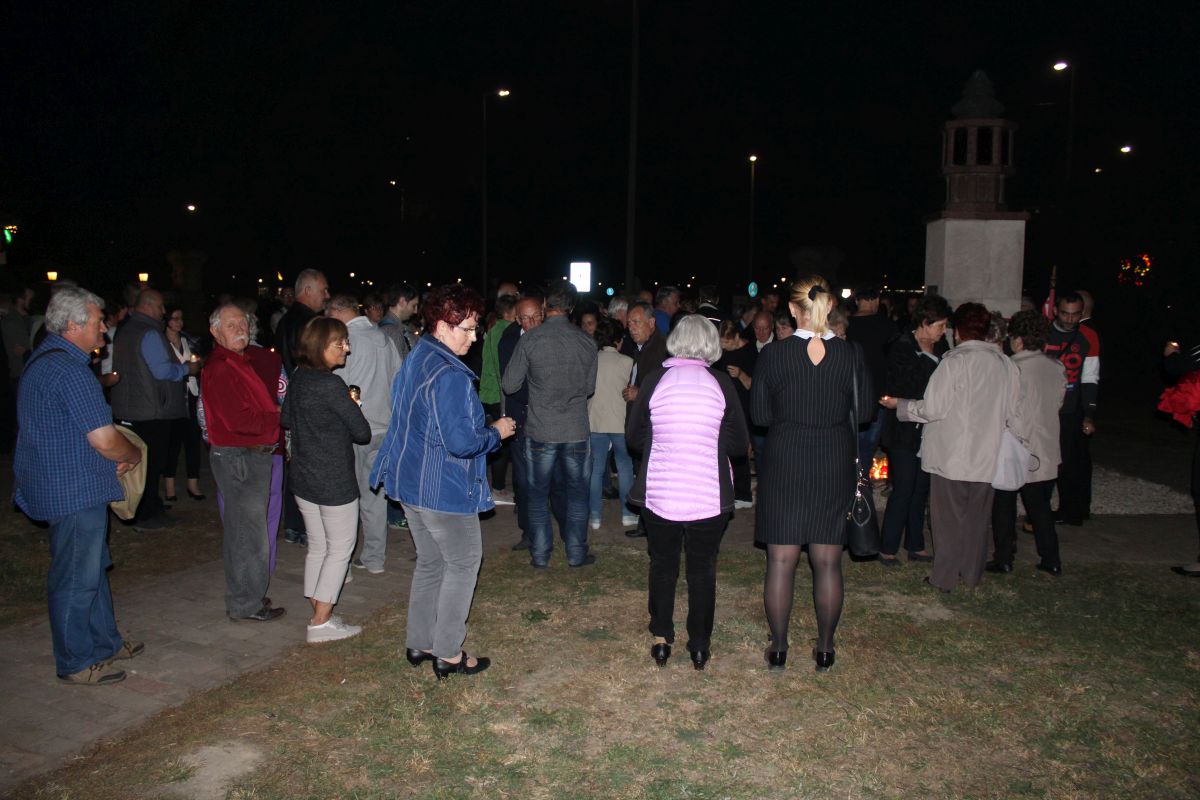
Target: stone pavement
[191,646]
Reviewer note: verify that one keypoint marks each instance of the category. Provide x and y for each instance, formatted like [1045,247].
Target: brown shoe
[128,649]
[95,675]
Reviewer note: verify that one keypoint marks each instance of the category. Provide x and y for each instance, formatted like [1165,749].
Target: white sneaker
[595,524]
[629,520]
[331,631]
[743,504]
[503,497]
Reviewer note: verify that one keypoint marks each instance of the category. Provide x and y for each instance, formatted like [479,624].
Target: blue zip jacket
[434,454]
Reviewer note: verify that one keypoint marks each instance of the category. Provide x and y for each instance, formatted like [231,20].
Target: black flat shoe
[940,589]
[699,658]
[889,561]
[776,660]
[1185,572]
[444,669]
[923,559]
[996,566]
[170,499]
[416,657]
[194,496]
[1053,569]
[636,533]
[660,653]
[824,660]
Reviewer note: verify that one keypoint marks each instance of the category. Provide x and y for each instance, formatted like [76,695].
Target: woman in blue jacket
[434,461]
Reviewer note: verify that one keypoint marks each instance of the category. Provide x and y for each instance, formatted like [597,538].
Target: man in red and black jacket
[1078,348]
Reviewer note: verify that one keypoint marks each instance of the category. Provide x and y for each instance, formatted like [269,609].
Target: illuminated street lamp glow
[753,159]
[392,183]
[191,208]
[846,294]
[1126,149]
[503,92]
[351,274]
[1059,66]
[51,275]
[1097,170]
[143,277]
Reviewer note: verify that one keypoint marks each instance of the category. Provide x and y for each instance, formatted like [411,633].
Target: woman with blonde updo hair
[803,392]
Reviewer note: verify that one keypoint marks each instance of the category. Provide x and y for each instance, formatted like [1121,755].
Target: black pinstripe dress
[806,482]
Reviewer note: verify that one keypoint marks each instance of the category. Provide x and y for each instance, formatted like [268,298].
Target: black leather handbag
[862,523]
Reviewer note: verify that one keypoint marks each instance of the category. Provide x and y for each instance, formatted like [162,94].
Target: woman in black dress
[803,392]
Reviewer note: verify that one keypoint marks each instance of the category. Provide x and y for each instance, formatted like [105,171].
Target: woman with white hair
[687,423]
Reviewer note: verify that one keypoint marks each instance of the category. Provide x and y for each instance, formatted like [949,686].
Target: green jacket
[489,381]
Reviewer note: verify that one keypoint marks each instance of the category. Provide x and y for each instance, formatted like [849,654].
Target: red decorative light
[879,468]
[1135,271]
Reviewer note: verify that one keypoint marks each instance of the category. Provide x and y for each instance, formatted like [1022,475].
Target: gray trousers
[449,551]
[372,505]
[244,477]
[961,515]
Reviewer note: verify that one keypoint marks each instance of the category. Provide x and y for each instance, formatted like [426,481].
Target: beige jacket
[606,407]
[971,396]
[1043,385]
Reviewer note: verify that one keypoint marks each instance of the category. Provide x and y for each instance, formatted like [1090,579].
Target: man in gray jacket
[559,363]
[371,366]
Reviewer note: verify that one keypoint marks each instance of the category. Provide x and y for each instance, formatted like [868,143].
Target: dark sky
[285,122]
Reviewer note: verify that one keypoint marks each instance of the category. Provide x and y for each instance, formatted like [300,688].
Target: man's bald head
[529,313]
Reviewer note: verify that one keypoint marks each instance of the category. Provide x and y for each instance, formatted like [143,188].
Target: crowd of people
[410,410]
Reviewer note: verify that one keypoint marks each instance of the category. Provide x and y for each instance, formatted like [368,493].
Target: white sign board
[581,275]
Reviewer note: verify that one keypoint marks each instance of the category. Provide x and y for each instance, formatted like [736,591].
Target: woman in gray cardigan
[325,423]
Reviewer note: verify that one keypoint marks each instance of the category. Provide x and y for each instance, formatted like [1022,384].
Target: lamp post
[1070,69]
[483,247]
[750,257]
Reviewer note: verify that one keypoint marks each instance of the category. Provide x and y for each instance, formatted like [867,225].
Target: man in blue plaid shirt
[67,461]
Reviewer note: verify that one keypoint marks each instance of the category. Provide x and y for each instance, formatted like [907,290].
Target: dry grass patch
[1026,687]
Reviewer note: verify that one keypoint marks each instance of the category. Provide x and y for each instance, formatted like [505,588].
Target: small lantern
[51,275]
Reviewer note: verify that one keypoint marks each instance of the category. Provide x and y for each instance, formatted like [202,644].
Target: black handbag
[862,524]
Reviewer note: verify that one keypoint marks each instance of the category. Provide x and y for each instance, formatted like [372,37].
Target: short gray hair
[695,337]
[665,293]
[214,319]
[70,304]
[306,278]
[617,305]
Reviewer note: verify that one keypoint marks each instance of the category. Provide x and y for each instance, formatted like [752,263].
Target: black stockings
[826,563]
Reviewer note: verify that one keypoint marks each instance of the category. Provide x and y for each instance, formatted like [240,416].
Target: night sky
[284,123]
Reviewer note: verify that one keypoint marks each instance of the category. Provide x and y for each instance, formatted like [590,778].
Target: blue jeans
[568,465]
[82,625]
[600,445]
[868,442]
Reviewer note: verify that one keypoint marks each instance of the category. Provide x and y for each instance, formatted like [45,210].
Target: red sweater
[238,410]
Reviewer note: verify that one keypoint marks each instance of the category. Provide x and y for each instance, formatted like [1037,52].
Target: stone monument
[975,247]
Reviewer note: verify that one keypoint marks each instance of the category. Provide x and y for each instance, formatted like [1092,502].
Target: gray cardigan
[324,422]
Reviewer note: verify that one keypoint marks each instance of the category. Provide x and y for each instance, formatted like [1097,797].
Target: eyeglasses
[343,343]
[472,329]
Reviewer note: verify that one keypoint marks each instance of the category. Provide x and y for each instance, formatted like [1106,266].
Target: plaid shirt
[59,402]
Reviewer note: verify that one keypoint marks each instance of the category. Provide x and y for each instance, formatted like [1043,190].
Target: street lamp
[750,257]
[191,209]
[483,247]
[1069,68]
[1127,149]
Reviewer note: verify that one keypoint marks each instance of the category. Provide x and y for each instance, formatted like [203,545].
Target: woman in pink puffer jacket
[686,422]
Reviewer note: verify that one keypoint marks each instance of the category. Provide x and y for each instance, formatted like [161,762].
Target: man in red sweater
[243,429]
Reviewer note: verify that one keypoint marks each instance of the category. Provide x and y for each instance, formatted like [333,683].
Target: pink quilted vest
[682,472]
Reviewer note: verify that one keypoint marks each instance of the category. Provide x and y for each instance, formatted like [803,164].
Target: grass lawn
[1030,686]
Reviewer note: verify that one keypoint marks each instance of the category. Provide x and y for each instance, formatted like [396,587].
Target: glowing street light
[143,277]
[1059,66]
[191,209]
[503,93]
[1126,149]
[51,275]
[483,204]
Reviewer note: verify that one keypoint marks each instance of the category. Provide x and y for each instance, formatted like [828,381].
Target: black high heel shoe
[660,653]
[417,657]
[444,669]
[823,659]
[699,658]
[776,660]
[199,496]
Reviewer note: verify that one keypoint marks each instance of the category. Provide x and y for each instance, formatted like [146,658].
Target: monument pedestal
[977,258]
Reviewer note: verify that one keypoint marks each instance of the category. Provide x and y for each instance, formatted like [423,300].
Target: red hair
[971,321]
[450,304]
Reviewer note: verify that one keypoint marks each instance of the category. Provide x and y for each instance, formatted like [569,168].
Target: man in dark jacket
[312,292]
[149,395]
[651,353]
[515,405]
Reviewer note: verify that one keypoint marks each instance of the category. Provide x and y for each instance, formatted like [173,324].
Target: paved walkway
[191,646]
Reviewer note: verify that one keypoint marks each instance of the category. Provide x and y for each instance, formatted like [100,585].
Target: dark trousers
[1036,497]
[498,460]
[156,433]
[184,435]
[1075,473]
[243,476]
[292,521]
[905,512]
[700,540]
[741,478]
[960,511]
[520,471]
